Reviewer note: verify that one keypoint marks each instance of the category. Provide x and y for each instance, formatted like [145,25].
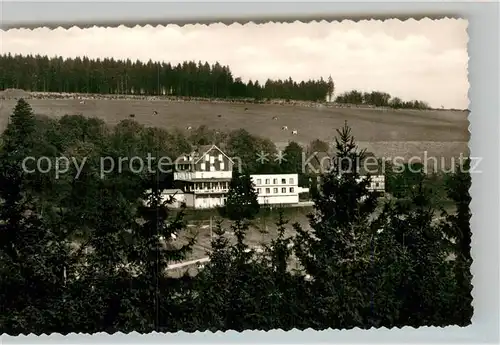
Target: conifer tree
[458,185]
[212,300]
[330,88]
[153,250]
[284,304]
[425,282]
[242,200]
[33,256]
[336,252]
[458,232]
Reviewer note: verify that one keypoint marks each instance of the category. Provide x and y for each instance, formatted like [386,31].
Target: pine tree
[212,299]
[425,282]
[458,185]
[337,252]
[153,250]
[21,130]
[235,303]
[331,88]
[458,232]
[242,200]
[34,257]
[284,305]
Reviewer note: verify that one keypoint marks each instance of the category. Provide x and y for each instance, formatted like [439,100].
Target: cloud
[424,59]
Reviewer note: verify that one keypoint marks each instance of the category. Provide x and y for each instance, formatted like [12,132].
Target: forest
[85,254]
[187,79]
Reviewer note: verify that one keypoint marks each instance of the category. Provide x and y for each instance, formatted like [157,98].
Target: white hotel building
[202,181]
[277,189]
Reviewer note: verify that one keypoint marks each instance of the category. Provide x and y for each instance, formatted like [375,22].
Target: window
[207,158]
[283,190]
[221,165]
[259,181]
[291,189]
[202,166]
[275,181]
[267,181]
[212,168]
[275,190]
[212,159]
[283,181]
[258,190]
[377,184]
[220,157]
[291,181]
[268,190]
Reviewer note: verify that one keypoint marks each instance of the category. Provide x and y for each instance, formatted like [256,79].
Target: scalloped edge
[450,330]
[222,21]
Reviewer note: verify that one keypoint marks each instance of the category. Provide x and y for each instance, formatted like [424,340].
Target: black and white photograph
[303,175]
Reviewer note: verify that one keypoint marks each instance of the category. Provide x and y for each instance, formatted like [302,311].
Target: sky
[425,60]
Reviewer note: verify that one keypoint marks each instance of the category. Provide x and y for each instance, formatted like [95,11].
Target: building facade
[202,180]
[321,163]
[277,189]
[204,176]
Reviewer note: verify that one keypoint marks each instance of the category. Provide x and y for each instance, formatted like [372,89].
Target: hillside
[386,132]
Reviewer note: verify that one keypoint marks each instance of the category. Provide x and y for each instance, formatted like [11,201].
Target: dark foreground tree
[242,200]
[422,283]
[458,232]
[34,258]
[336,252]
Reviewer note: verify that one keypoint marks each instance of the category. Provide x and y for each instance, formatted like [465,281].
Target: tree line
[379,99]
[187,79]
[88,255]
[110,76]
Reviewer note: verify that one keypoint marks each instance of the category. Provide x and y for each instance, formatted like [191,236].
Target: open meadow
[385,132]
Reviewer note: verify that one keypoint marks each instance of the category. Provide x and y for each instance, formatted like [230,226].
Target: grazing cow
[132,115]
[219,115]
[275,118]
[285,128]
[82,102]
[294,132]
[189,128]
[155,112]
[246,109]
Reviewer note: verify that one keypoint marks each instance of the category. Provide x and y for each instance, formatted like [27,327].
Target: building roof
[200,151]
[215,179]
[173,191]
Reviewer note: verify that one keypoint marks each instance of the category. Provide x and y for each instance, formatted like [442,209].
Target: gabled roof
[204,149]
[173,191]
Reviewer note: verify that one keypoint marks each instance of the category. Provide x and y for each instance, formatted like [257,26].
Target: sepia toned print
[241,177]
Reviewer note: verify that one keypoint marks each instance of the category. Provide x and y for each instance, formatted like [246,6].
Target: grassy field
[386,133]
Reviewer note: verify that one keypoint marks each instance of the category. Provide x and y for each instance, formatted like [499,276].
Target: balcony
[199,175]
[210,191]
